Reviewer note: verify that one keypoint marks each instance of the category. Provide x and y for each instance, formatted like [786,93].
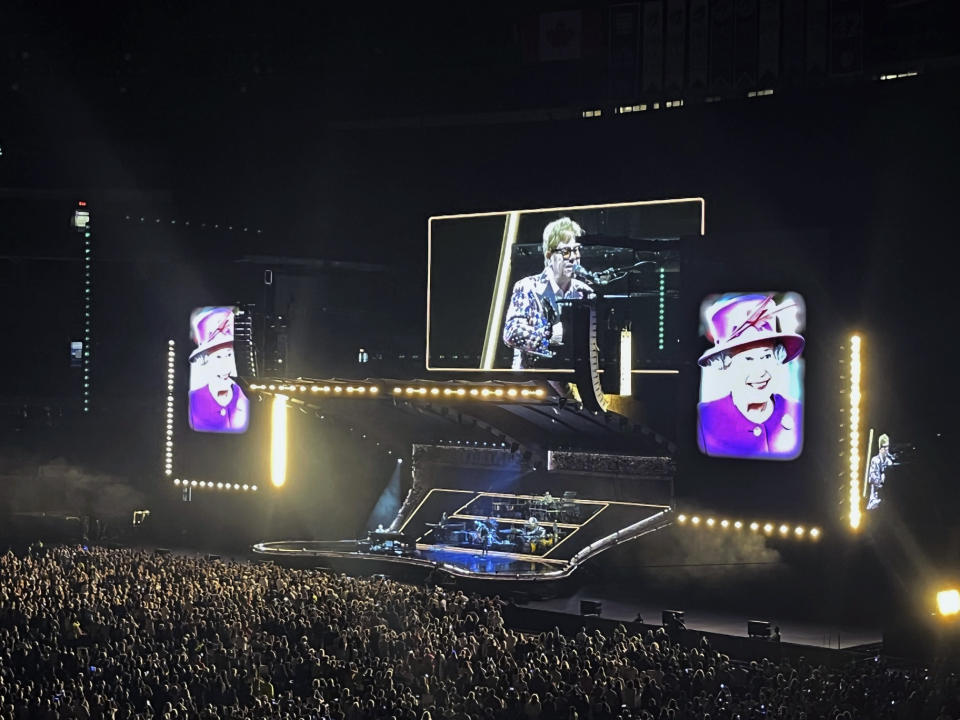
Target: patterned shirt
[532,314]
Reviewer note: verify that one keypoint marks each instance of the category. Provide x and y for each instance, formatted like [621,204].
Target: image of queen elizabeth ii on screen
[751,378]
[217,404]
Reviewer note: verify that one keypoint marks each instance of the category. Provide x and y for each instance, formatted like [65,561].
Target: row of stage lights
[168,441]
[855,515]
[798,531]
[408,391]
[211,485]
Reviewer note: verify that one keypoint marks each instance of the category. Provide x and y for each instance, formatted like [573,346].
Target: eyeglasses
[568,251]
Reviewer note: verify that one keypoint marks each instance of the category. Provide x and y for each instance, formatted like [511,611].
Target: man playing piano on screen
[532,325]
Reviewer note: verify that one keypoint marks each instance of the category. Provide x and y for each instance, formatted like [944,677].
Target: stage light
[350,389]
[498,392]
[485,392]
[219,486]
[461,392]
[855,512]
[193,483]
[661,304]
[815,533]
[399,461]
[474,392]
[411,390]
[784,529]
[246,487]
[303,389]
[724,524]
[434,391]
[540,392]
[768,528]
[512,392]
[337,389]
[253,488]
[176,481]
[710,522]
[695,519]
[738,525]
[326,388]
[626,363]
[948,602]
[278,446]
[681,518]
[799,531]
[397,391]
[754,526]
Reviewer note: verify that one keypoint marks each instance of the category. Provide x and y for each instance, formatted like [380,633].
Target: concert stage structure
[507,508]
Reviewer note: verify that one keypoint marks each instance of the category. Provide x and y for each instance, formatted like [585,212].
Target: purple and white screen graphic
[217,404]
[751,377]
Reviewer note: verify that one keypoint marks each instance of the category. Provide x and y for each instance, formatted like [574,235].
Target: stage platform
[588,527]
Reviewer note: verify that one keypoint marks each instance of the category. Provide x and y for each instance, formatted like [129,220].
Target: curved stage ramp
[461,561]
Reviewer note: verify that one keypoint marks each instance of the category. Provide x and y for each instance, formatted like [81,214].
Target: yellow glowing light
[695,519]
[374,390]
[219,486]
[326,388]
[410,390]
[422,391]
[461,392]
[361,389]
[815,533]
[498,392]
[447,391]
[798,531]
[681,518]
[711,522]
[349,389]
[512,392]
[724,524]
[626,363]
[855,515]
[278,444]
[784,529]
[754,526]
[434,391]
[738,525]
[273,387]
[474,391]
[397,390]
[338,389]
[485,392]
[768,528]
[314,388]
[303,388]
[253,487]
[176,481]
[948,602]
[540,392]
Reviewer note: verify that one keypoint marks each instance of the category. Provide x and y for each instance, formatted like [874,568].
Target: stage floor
[800,632]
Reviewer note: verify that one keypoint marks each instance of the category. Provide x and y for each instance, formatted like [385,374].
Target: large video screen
[751,376]
[217,403]
[502,286]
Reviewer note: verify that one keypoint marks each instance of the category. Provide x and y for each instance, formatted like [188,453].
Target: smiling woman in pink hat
[749,416]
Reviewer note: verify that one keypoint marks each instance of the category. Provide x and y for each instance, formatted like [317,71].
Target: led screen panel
[501,285]
[217,403]
[751,375]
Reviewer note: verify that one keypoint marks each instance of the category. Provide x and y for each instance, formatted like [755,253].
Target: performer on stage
[532,325]
[876,475]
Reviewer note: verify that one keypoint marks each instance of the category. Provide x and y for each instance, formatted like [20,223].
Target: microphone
[580,272]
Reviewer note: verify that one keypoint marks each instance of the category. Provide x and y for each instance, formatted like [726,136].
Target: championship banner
[624,50]
[653,46]
[794,49]
[699,46]
[846,37]
[817,27]
[560,36]
[768,41]
[676,50]
[721,46]
[745,45]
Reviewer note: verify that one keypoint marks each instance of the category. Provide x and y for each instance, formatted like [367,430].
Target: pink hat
[747,319]
[211,327]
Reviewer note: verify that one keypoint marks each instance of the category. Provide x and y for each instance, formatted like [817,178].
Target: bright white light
[626,363]
[948,602]
[278,445]
[854,433]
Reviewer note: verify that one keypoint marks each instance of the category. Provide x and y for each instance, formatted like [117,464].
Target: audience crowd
[113,634]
